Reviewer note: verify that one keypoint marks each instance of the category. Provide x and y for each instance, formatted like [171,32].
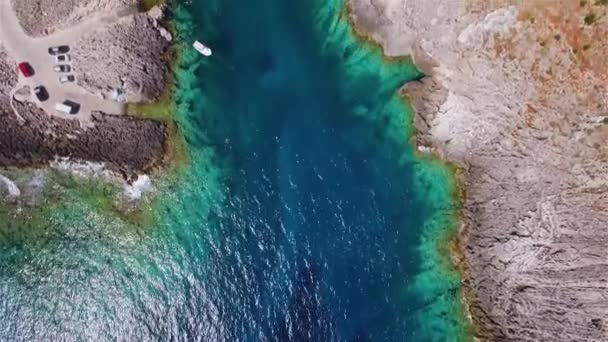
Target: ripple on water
[303,213]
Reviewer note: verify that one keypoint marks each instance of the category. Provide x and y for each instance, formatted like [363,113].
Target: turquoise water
[302,213]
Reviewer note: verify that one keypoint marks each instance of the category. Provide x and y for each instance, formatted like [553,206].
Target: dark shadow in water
[305,319]
[266,62]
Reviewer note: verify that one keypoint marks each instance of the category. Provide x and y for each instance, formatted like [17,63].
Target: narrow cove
[303,212]
[323,180]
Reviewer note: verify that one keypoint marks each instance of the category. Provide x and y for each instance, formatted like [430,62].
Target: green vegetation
[586,47]
[601,2]
[160,110]
[590,18]
[146,5]
[557,37]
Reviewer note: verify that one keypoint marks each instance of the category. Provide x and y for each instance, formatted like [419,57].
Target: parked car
[26,69]
[62,68]
[62,59]
[67,78]
[58,50]
[68,107]
[41,93]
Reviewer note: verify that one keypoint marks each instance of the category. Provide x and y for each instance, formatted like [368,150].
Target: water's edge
[445,253]
[449,247]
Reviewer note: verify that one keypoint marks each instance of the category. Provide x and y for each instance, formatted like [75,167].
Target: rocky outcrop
[124,59]
[126,145]
[43,17]
[517,98]
[126,55]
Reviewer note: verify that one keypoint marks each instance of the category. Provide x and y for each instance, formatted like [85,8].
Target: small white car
[63,108]
[67,78]
[62,68]
[68,107]
[62,59]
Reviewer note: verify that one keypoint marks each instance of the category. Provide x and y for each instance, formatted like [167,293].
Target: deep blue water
[318,239]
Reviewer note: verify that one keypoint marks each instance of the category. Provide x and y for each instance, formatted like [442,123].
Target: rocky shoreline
[125,57]
[127,146]
[515,96]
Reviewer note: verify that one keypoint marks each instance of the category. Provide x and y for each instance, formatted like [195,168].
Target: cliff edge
[516,95]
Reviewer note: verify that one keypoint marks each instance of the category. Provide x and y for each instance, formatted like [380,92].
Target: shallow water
[303,213]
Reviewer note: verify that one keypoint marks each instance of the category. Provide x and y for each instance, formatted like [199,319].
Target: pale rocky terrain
[124,56]
[517,96]
[127,56]
[42,17]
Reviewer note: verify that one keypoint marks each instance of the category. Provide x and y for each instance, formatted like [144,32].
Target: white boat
[200,47]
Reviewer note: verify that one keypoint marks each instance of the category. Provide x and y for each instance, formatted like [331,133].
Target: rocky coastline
[124,58]
[515,97]
[127,146]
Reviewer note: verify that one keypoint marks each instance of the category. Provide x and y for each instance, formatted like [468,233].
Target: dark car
[75,107]
[58,50]
[62,68]
[41,93]
[26,69]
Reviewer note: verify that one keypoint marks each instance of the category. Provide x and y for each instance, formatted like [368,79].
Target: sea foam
[131,191]
[11,187]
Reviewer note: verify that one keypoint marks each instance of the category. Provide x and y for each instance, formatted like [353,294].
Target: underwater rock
[11,189]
